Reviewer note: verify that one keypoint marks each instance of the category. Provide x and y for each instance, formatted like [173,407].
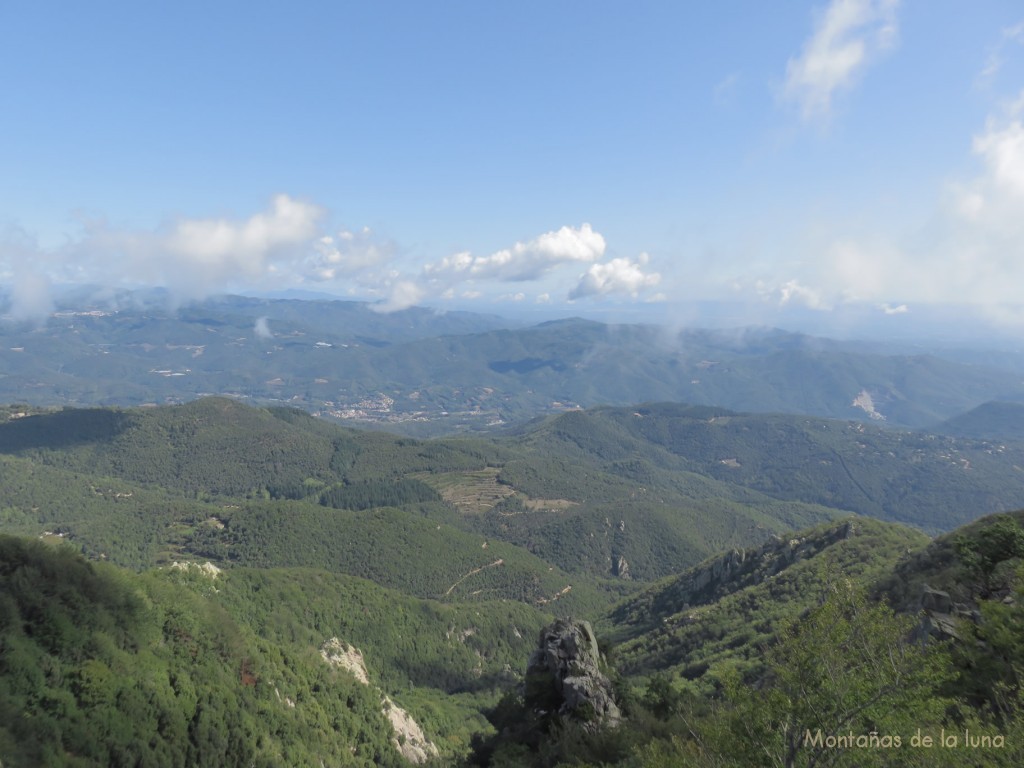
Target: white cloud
[971,252]
[902,309]
[1001,147]
[347,253]
[23,269]
[262,329]
[223,244]
[621,275]
[848,34]
[31,297]
[285,245]
[792,292]
[525,260]
[196,257]
[459,262]
[986,225]
[404,294]
[984,247]
[877,271]
[994,63]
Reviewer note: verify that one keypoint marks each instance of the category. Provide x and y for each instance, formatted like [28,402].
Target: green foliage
[927,480]
[367,494]
[107,518]
[722,613]
[454,648]
[657,488]
[990,660]
[98,667]
[999,543]
[467,547]
[992,420]
[662,699]
[847,667]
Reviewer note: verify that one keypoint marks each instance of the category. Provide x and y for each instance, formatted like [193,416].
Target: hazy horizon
[835,160]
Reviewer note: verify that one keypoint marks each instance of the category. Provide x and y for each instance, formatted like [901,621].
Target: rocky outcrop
[209,570]
[621,568]
[408,738]
[339,654]
[742,568]
[564,676]
[940,616]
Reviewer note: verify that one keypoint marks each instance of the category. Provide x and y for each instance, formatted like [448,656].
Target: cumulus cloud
[1001,148]
[223,245]
[517,296]
[404,294]
[346,253]
[984,256]
[847,35]
[525,260]
[196,257]
[971,251]
[992,200]
[792,292]
[622,275]
[287,245]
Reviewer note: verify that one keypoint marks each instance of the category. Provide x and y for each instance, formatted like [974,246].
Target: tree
[846,686]
[983,554]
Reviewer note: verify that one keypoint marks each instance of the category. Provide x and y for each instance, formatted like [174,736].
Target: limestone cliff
[408,737]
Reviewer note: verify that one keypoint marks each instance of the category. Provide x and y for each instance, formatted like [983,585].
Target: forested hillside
[792,654]
[210,582]
[741,661]
[616,493]
[195,667]
[934,482]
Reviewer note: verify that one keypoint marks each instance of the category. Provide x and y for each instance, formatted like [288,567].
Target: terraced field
[472,493]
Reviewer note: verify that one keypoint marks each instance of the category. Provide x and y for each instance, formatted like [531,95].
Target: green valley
[212,583]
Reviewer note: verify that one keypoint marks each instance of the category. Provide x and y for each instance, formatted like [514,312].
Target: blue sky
[563,155]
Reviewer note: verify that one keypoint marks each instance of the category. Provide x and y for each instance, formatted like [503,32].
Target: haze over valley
[428,373]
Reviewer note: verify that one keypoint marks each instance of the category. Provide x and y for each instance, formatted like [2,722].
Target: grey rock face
[564,675]
[936,601]
[621,568]
[940,615]
[742,568]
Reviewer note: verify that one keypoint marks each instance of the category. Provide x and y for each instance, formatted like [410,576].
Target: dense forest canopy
[212,584]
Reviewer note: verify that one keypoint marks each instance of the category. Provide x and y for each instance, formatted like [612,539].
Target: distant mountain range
[427,373]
